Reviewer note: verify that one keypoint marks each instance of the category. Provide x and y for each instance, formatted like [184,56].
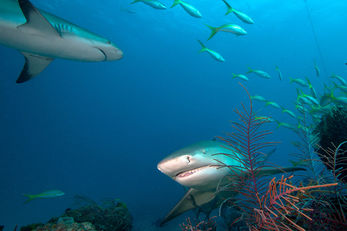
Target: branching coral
[247,140]
[280,206]
[205,225]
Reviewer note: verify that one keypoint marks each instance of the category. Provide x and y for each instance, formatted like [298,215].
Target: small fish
[44,195]
[214,54]
[274,104]
[300,163]
[339,78]
[259,98]
[319,110]
[302,127]
[286,125]
[316,68]
[326,99]
[279,72]
[341,87]
[264,118]
[307,99]
[300,108]
[289,113]
[240,76]
[242,16]
[232,28]
[341,100]
[301,82]
[188,8]
[152,3]
[313,91]
[260,73]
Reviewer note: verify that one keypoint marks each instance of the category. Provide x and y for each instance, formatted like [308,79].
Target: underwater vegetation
[331,131]
[263,204]
[112,215]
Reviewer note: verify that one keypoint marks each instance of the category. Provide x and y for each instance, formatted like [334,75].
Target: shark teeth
[191,172]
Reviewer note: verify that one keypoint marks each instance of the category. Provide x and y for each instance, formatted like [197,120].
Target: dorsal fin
[35,19]
[33,66]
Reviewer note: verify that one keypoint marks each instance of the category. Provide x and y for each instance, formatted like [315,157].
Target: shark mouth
[192,171]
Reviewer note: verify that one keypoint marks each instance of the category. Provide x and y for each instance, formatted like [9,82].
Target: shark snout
[172,167]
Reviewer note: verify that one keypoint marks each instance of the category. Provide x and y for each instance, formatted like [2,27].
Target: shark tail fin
[214,31]
[203,47]
[176,2]
[29,198]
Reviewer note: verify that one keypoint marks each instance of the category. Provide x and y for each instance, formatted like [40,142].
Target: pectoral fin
[192,199]
[33,66]
[35,19]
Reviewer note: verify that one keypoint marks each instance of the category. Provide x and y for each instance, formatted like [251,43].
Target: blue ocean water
[99,129]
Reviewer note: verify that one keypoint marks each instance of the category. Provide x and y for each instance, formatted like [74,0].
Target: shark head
[200,166]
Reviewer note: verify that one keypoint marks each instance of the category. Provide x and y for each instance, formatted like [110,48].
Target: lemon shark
[204,169]
[41,37]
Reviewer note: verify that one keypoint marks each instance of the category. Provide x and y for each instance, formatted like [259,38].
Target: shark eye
[188,159]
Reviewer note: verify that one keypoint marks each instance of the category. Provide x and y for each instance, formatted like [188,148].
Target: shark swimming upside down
[41,37]
[199,167]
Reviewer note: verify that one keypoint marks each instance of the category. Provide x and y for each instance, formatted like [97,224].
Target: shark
[41,37]
[204,169]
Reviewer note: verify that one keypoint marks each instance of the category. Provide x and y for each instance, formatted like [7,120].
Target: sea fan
[248,141]
[280,206]
[204,225]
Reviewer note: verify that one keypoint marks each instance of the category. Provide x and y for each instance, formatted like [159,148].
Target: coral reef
[31,227]
[113,215]
[331,131]
[66,224]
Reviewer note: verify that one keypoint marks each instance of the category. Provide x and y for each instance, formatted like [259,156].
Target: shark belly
[26,39]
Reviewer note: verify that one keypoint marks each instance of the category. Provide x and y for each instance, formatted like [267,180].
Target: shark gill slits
[102,53]
[63,28]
